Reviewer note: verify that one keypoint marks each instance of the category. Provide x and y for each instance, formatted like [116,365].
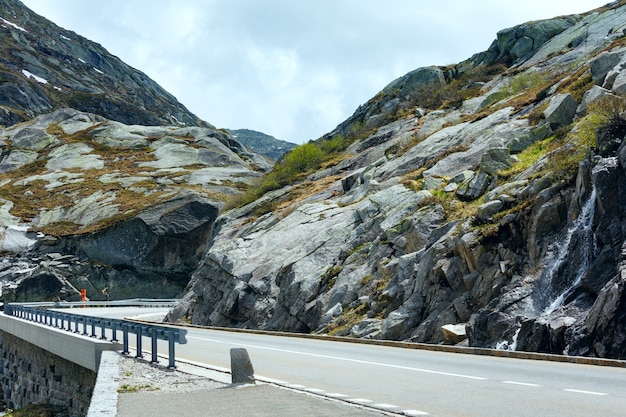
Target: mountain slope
[44,67]
[105,179]
[448,199]
[261,143]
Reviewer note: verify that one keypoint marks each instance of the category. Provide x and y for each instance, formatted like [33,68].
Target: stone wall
[31,375]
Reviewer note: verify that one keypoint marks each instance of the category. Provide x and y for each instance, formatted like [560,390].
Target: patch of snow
[57,88]
[65,37]
[31,75]
[97,70]
[6,22]
[82,60]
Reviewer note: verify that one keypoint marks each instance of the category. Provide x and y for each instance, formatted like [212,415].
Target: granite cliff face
[480,202]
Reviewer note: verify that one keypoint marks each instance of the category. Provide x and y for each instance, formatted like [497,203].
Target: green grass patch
[130,388]
[342,325]
[38,410]
[293,168]
[528,157]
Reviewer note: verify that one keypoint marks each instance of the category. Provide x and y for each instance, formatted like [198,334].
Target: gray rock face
[47,67]
[474,188]
[603,64]
[373,254]
[153,241]
[417,229]
[379,112]
[592,95]
[419,78]
[561,110]
[515,44]
[262,144]
[149,210]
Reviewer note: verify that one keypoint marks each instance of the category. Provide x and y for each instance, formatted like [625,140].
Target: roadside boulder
[454,333]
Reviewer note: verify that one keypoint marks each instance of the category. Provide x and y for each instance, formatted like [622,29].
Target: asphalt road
[418,381]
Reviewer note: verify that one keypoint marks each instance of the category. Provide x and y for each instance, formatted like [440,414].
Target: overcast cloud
[291,69]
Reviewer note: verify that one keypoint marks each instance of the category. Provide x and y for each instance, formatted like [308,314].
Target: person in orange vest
[83,295]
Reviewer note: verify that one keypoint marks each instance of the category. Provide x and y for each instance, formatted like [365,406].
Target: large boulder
[592,95]
[518,43]
[166,239]
[560,111]
[605,62]
[426,77]
[474,188]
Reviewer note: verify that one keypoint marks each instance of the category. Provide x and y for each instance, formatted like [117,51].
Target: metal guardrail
[134,302]
[39,313]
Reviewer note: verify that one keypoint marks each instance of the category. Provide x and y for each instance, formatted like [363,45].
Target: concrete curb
[105,396]
[581,360]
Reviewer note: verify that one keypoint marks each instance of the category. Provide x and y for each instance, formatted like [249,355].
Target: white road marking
[584,392]
[314,390]
[336,395]
[407,368]
[526,384]
[414,413]
[360,400]
[386,406]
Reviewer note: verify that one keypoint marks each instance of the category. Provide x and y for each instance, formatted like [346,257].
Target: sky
[293,69]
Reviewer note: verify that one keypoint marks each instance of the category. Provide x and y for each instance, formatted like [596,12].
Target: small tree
[301,159]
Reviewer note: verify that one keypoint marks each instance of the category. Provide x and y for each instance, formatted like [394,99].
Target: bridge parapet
[96,327]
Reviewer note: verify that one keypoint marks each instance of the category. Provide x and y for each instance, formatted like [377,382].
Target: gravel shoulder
[153,390]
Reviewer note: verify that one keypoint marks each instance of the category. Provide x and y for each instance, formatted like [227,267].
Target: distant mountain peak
[262,143]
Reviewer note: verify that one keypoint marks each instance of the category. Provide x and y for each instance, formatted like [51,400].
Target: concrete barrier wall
[40,364]
[31,375]
[81,350]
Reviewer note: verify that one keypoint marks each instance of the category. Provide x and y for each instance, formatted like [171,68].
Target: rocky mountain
[88,202]
[44,67]
[480,203]
[261,143]
[105,179]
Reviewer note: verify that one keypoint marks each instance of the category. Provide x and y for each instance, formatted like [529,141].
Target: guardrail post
[139,330]
[125,338]
[154,345]
[114,335]
[62,324]
[172,356]
[93,327]
[103,327]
